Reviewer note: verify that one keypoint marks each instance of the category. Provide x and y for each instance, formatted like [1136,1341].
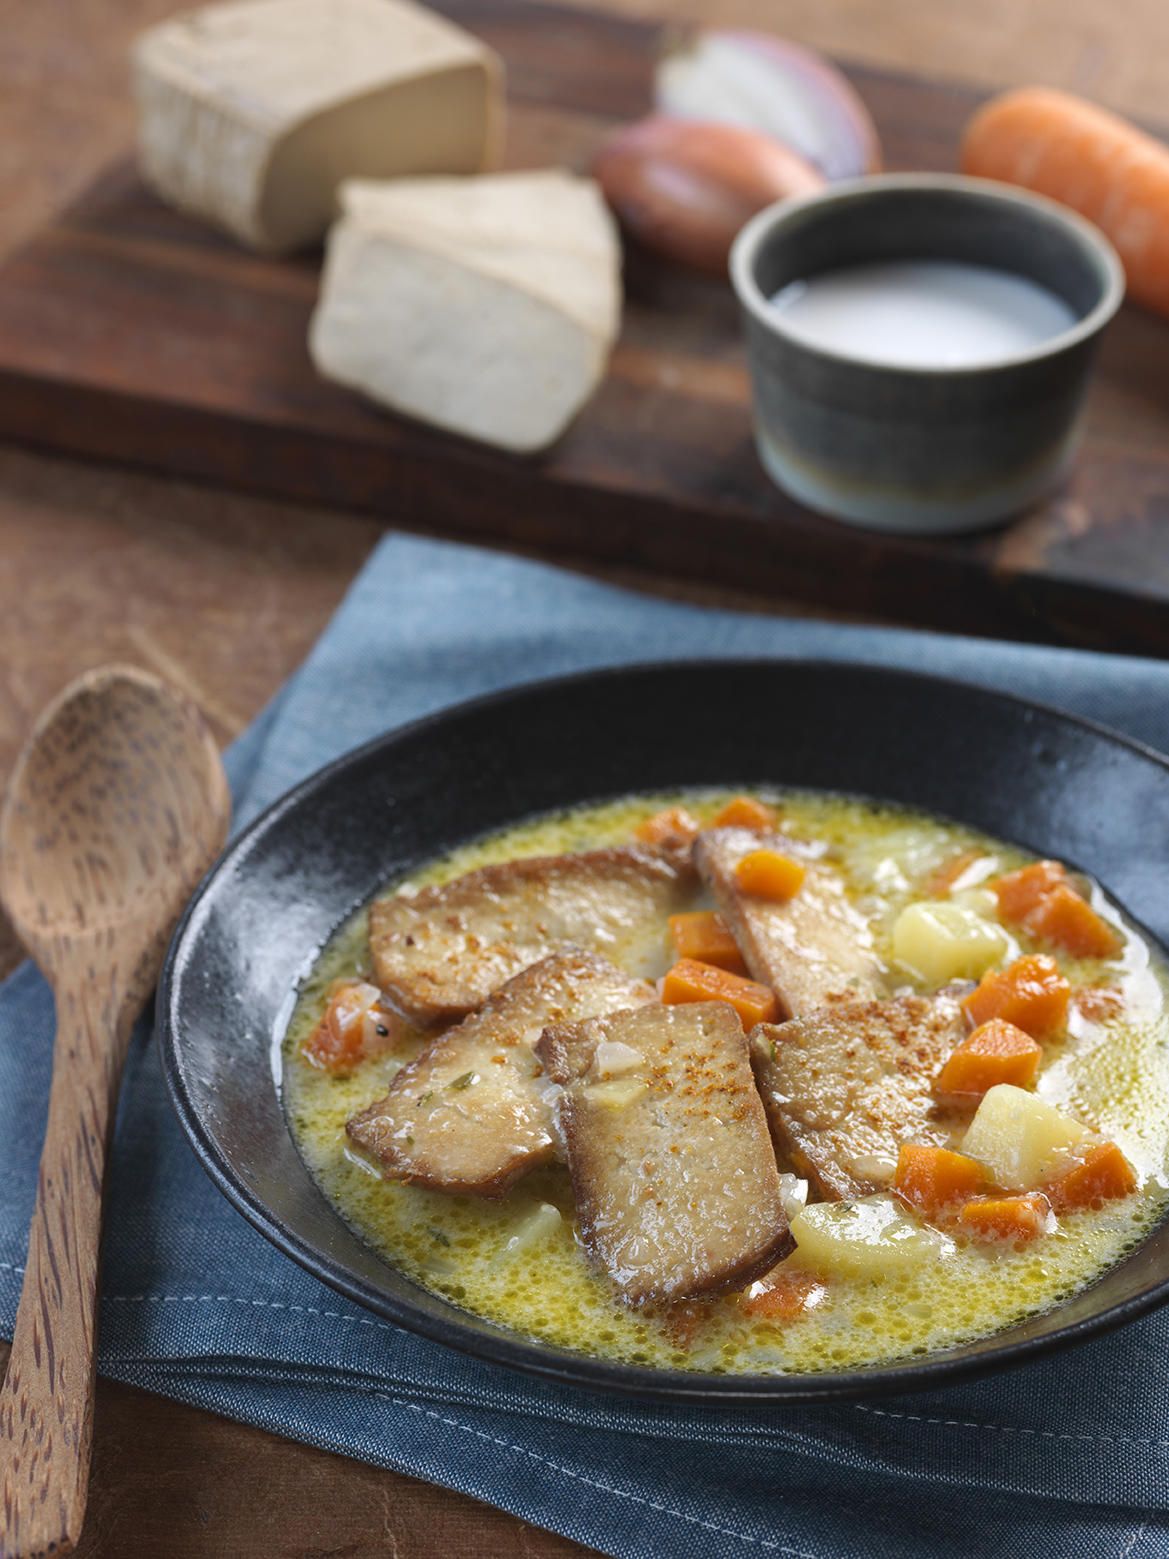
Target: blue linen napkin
[1063,1458]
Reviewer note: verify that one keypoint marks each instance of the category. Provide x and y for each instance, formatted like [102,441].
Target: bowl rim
[500,1345]
[1092,241]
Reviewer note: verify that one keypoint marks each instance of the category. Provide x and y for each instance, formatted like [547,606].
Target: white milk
[922,313]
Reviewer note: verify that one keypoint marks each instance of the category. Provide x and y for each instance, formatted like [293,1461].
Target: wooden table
[224,594]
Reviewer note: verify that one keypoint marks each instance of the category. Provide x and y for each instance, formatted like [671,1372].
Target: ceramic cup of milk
[920,346]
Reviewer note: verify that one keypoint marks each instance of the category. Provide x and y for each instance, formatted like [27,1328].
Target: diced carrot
[1030,993]
[1098,1003]
[782,1295]
[1043,899]
[934,1178]
[1102,1175]
[943,877]
[996,1052]
[1013,1218]
[703,935]
[1066,919]
[1021,892]
[690,980]
[768,875]
[1097,163]
[683,1320]
[354,1025]
[673,826]
[746,812]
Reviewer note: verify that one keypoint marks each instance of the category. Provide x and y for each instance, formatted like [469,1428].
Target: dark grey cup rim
[512,1349]
[752,237]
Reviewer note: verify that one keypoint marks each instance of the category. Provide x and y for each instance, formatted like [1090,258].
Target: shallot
[685,188]
[760,82]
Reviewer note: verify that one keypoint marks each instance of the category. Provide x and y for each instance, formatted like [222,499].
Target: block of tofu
[676,1184]
[549,231]
[844,1086]
[438,952]
[811,949]
[472,1113]
[251,113]
[486,307]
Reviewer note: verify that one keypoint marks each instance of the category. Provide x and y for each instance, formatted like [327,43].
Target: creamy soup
[519,1261]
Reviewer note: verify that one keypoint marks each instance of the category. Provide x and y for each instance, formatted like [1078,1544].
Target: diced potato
[940,940]
[614,1059]
[867,1238]
[532,1229]
[793,1193]
[1021,1139]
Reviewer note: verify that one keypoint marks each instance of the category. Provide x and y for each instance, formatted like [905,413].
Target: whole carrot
[1091,160]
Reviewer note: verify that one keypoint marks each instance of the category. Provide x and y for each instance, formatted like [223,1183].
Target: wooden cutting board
[130,333]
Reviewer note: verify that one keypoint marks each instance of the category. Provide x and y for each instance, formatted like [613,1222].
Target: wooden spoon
[116,808]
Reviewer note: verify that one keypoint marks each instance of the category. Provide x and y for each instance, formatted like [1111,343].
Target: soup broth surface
[518,1263]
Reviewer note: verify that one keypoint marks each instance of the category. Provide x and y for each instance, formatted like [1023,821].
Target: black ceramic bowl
[1054,784]
[908,448]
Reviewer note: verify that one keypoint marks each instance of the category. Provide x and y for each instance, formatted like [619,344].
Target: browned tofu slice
[473,1111]
[846,1085]
[816,947]
[440,951]
[676,1185]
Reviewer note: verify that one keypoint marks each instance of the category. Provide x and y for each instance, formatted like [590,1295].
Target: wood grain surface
[130,332]
[224,593]
[117,807]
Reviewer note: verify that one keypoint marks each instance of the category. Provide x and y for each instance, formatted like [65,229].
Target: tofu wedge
[846,1085]
[549,232]
[472,1113]
[439,952]
[676,1184]
[252,112]
[548,206]
[485,306]
[812,949]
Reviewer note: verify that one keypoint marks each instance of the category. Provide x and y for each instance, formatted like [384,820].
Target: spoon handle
[46,1403]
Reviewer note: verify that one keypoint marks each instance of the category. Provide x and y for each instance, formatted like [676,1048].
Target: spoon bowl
[118,799]
[115,810]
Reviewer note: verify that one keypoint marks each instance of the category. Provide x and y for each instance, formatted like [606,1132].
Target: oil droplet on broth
[549,1292]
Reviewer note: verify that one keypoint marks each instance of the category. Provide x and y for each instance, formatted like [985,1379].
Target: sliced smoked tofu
[813,948]
[844,1085]
[485,306]
[472,1113]
[440,951]
[251,113]
[676,1185]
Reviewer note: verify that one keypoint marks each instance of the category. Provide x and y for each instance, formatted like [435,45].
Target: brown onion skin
[684,187]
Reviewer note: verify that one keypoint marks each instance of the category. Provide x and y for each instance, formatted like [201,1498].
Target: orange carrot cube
[746,812]
[1102,1175]
[769,875]
[934,1178]
[996,1052]
[1009,1218]
[1043,900]
[1022,891]
[782,1295]
[1030,993]
[1098,1003]
[673,826]
[355,1024]
[1066,919]
[703,935]
[690,980]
